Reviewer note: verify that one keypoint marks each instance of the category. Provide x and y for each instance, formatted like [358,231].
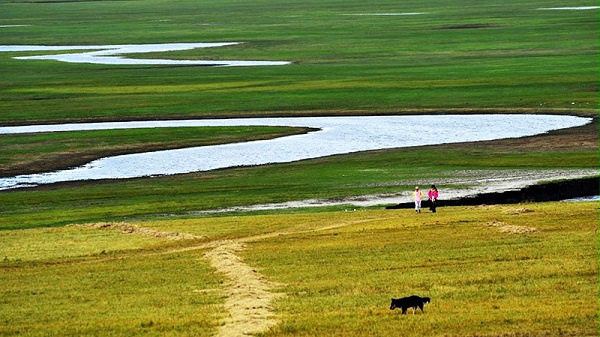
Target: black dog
[413,302]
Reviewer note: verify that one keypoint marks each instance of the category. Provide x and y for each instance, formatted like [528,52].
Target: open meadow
[512,270]
[147,257]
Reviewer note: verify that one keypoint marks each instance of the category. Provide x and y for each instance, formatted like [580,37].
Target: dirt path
[249,293]
[133,229]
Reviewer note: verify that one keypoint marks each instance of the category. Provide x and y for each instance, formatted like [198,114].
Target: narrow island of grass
[36,153]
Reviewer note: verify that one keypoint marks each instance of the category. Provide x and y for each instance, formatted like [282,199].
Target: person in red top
[432,194]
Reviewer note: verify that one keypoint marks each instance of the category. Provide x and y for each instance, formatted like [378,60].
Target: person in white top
[417,197]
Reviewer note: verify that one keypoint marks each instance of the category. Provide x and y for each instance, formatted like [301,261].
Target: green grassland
[454,56]
[483,280]
[356,174]
[337,270]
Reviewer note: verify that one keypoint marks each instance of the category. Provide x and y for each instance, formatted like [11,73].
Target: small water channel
[111,54]
[336,135]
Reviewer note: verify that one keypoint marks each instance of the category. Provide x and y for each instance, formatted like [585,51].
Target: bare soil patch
[249,294]
[126,228]
[512,229]
[516,211]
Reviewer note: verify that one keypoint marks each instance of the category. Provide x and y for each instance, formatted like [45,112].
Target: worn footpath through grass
[528,269]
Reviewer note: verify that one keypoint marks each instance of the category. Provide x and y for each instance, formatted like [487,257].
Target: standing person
[433,196]
[417,197]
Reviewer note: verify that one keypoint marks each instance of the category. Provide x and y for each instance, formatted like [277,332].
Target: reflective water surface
[109,54]
[336,135]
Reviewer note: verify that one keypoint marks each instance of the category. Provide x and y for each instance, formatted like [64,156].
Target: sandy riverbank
[474,182]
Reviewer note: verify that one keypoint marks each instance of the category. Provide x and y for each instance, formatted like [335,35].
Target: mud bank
[554,191]
[481,183]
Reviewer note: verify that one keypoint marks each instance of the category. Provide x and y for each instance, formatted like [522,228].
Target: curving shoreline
[337,135]
[110,54]
[485,187]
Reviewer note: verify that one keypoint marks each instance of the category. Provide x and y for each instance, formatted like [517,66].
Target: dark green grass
[456,56]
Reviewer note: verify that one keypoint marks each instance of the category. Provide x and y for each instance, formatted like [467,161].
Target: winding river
[111,54]
[336,135]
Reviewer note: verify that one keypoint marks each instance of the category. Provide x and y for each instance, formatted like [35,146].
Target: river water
[111,54]
[336,135]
